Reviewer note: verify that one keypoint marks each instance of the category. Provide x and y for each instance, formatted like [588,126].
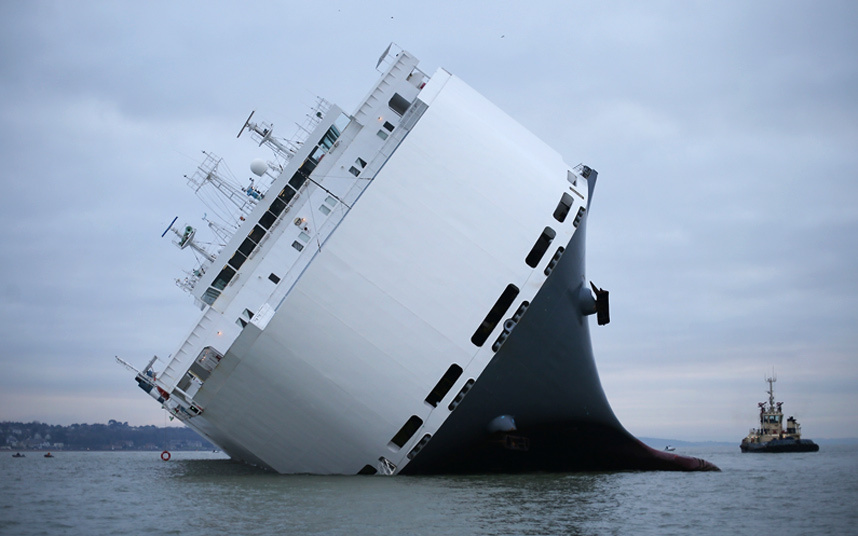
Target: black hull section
[781,445]
[544,377]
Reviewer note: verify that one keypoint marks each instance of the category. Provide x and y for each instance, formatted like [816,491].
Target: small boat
[670,448]
[18,455]
[770,436]
[49,455]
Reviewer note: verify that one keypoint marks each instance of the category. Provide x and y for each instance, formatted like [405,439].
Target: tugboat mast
[771,379]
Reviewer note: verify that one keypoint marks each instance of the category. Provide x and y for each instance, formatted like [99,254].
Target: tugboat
[770,436]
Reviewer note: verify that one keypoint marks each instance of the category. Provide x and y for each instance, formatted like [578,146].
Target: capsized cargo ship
[400,289]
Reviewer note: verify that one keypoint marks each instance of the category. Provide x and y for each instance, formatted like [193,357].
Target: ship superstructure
[406,296]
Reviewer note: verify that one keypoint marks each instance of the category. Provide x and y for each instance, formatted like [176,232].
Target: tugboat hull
[781,445]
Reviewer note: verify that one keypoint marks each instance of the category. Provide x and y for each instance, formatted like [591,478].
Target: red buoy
[165,455]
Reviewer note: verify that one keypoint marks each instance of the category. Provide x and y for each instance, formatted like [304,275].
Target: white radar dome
[259,167]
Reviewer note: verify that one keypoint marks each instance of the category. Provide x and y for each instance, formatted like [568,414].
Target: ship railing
[225,186]
[190,281]
[262,132]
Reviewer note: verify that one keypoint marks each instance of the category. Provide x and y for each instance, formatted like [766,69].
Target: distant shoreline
[11,450]
[113,436]
[120,437]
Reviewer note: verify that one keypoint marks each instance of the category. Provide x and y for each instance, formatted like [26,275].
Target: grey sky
[724,222]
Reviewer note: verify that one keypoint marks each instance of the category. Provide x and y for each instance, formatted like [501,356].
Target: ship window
[368,470]
[324,210]
[224,277]
[245,318]
[388,126]
[303,172]
[210,295]
[297,180]
[246,247]
[495,314]
[237,260]
[330,137]
[256,234]
[274,279]
[540,247]
[361,162]
[382,134]
[398,103]
[277,207]
[354,171]
[303,237]
[297,245]
[407,431]
[444,385]
[563,207]
[285,195]
[267,220]
[331,201]
[340,124]
[317,154]
[307,167]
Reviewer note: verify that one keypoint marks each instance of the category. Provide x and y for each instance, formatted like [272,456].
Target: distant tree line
[114,435]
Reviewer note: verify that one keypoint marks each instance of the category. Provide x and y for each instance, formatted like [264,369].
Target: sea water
[198,493]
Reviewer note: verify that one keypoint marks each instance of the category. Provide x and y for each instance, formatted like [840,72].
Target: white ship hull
[434,320]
